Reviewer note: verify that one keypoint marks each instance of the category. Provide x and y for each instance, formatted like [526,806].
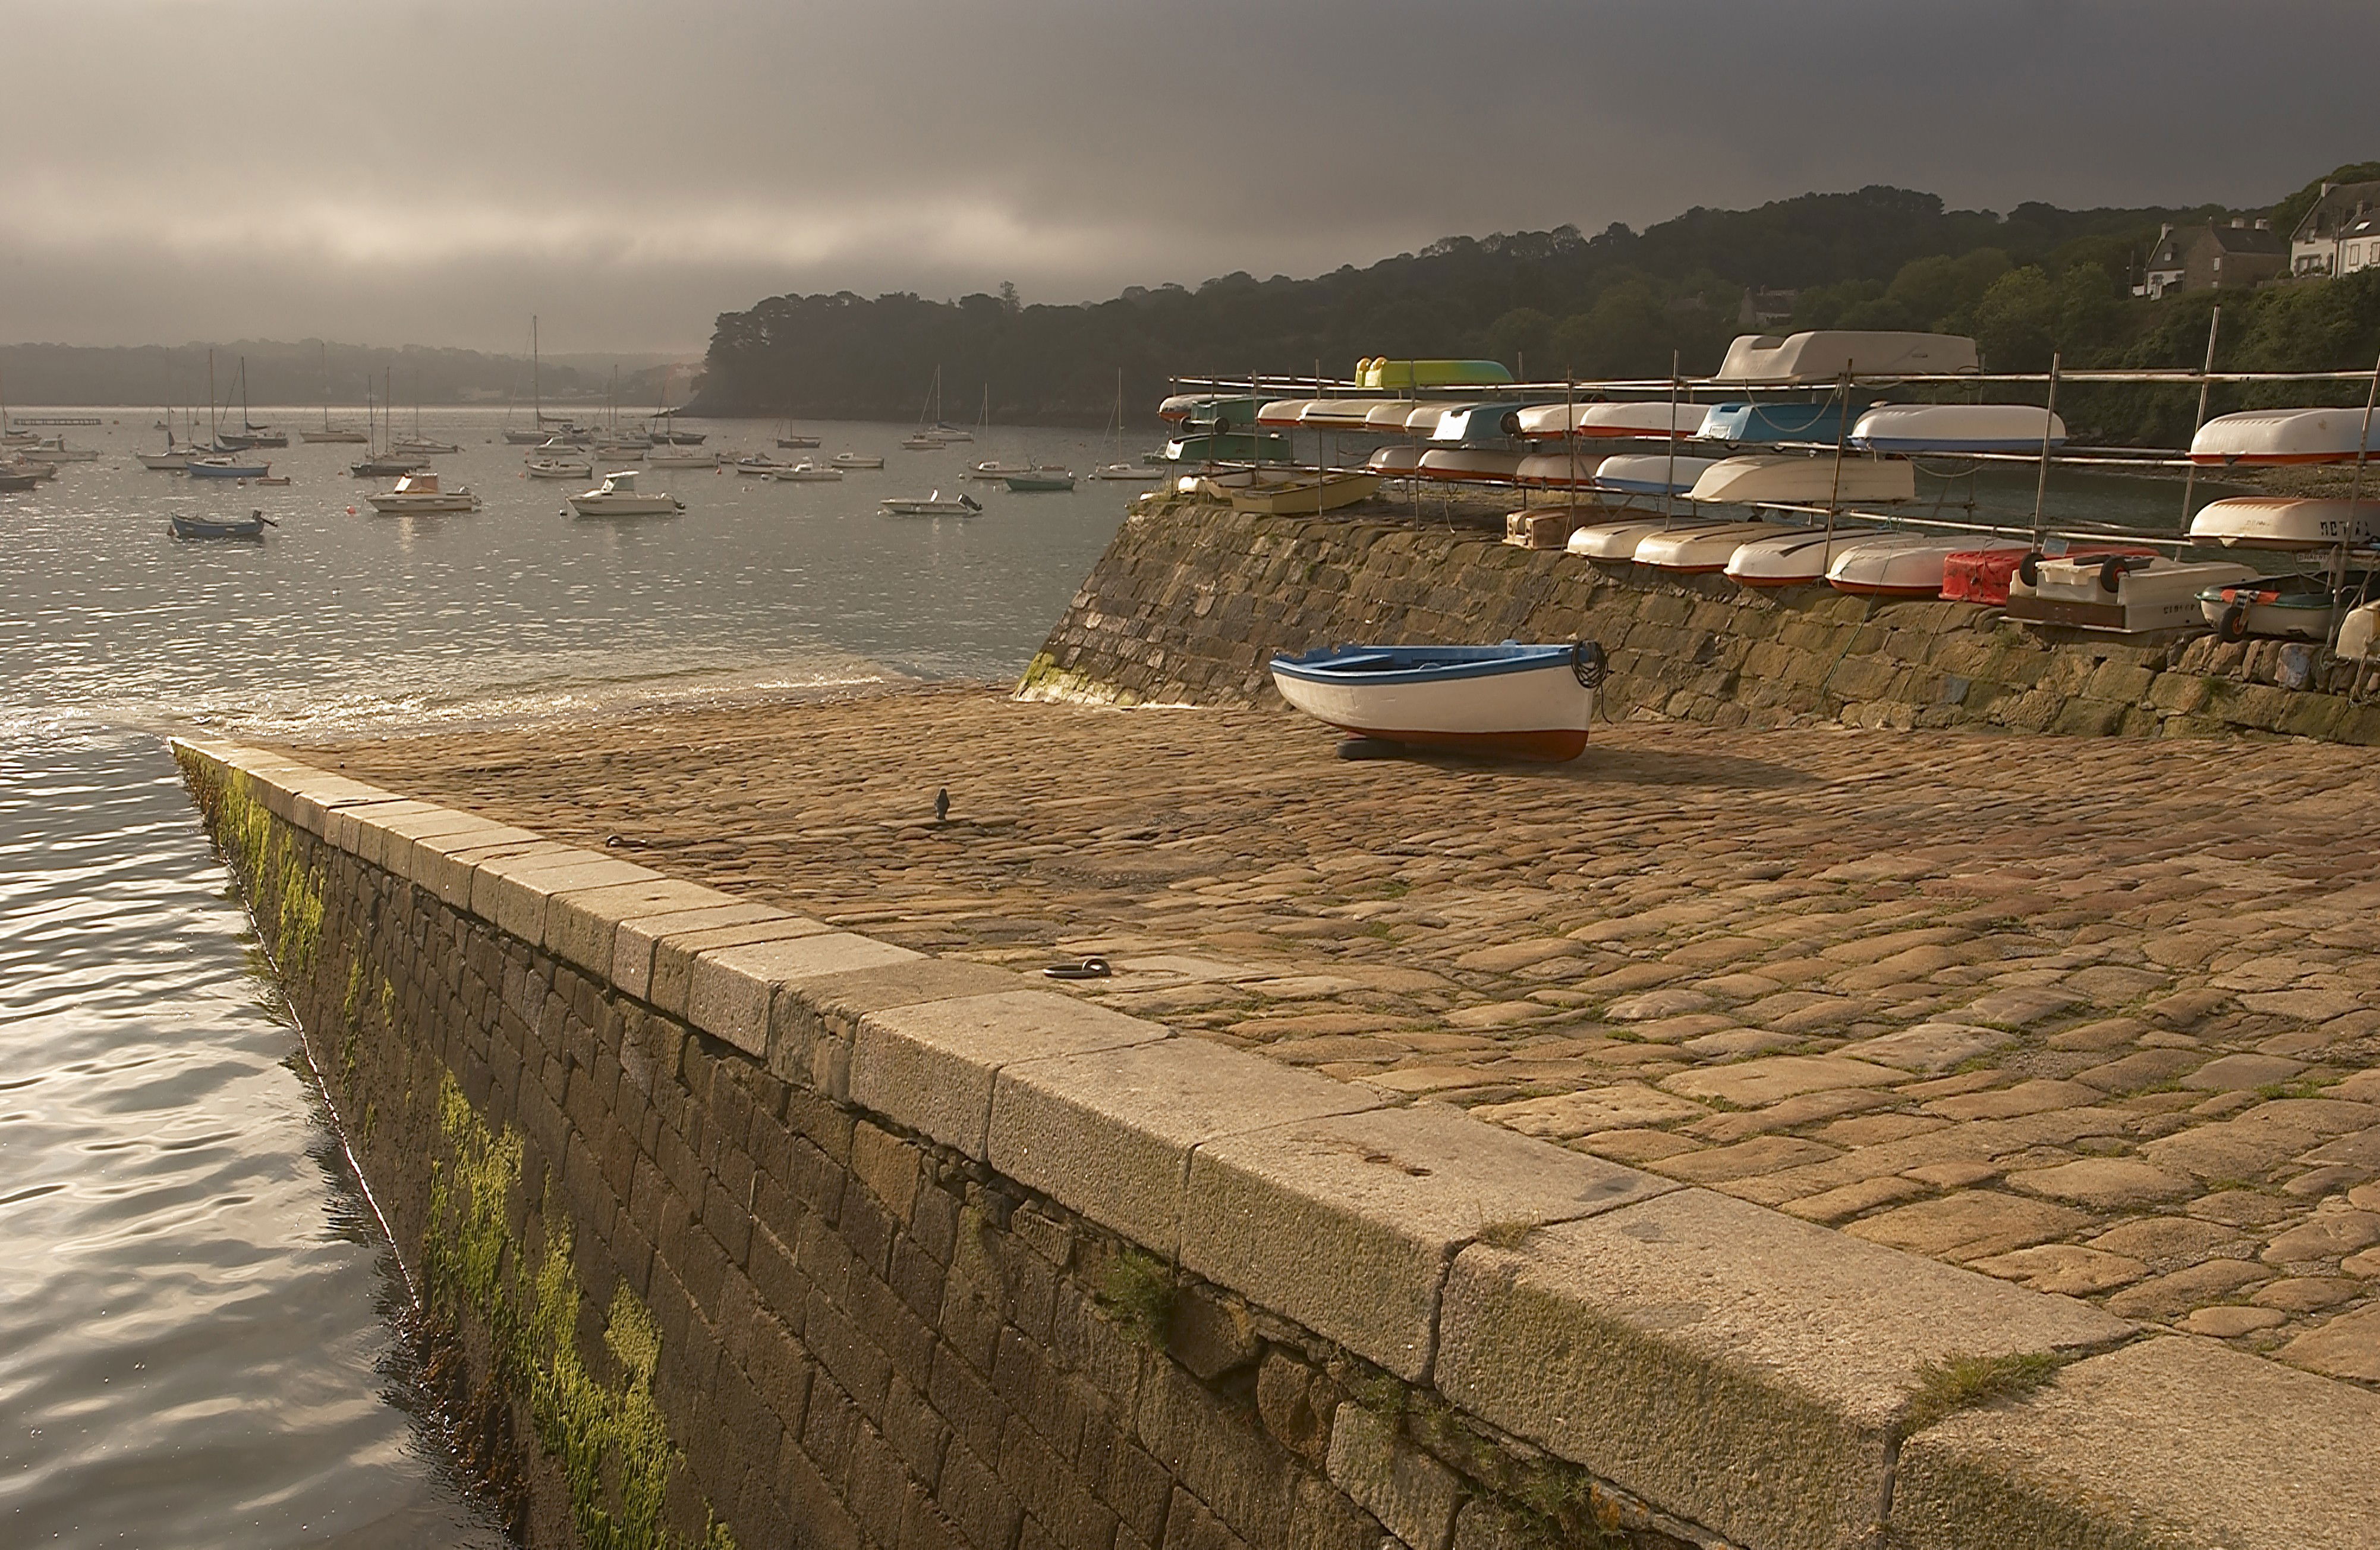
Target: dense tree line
[2034,281]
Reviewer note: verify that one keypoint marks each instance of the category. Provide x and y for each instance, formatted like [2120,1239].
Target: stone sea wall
[1190,601]
[756,1233]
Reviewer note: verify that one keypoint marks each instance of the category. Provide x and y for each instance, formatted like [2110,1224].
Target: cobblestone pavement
[2099,1016]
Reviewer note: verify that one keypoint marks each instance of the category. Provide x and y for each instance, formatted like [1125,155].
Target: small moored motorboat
[1041,482]
[1531,702]
[2280,522]
[853,460]
[420,495]
[618,496]
[790,444]
[223,467]
[2281,436]
[55,450]
[1950,428]
[807,473]
[1774,480]
[1135,472]
[933,505]
[252,525]
[558,468]
[760,466]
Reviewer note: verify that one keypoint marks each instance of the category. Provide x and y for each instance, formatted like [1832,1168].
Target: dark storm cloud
[436,172]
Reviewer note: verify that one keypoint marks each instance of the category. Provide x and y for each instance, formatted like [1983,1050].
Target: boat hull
[2278,437]
[2275,522]
[624,505]
[1531,706]
[232,471]
[1951,428]
[1793,558]
[1906,567]
[1802,481]
[1700,551]
[1305,497]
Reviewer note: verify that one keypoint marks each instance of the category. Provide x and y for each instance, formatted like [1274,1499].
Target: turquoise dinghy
[1517,701]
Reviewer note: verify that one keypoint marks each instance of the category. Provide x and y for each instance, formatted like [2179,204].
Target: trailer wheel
[2111,574]
[2233,625]
[2028,570]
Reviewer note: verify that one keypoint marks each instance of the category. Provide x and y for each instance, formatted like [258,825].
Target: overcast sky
[419,171]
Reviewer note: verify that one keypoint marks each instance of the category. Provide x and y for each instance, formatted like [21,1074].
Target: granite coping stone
[582,925]
[444,863]
[312,804]
[636,938]
[358,830]
[1349,1224]
[1109,1133]
[1731,1366]
[731,987]
[2172,1441]
[813,1024]
[511,893]
[676,952]
[931,1066]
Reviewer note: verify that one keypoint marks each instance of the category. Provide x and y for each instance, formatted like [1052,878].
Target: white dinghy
[1794,556]
[1513,700]
[1394,462]
[1951,428]
[1613,422]
[1469,465]
[2281,436]
[1784,479]
[1615,543]
[1823,355]
[1651,474]
[1906,564]
[1700,551]
[1558,471]
[2278,522]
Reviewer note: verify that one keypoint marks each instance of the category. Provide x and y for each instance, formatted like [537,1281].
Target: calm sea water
[196,1336]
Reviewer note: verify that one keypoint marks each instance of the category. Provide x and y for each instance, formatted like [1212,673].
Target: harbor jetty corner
[757,1229]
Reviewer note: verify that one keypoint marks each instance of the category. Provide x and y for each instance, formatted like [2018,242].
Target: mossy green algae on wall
[608,1436]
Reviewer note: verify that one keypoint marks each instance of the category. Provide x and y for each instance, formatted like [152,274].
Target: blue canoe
[1512,701]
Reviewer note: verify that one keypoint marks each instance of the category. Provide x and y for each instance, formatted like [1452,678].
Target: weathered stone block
[1110,1134]
[511,893]
[1731,1366]
[930,1066]
[825,1010]
[633,942]
[582,926]
[2172,1441]
[1348,1224]
[729,993]
[443,863]
[670,975]
[1413,1496]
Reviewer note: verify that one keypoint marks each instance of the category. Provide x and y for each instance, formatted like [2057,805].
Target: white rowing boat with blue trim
[1948,430]
[1511,701]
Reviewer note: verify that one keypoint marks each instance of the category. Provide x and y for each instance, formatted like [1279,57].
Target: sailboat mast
[536,385]
[215,416]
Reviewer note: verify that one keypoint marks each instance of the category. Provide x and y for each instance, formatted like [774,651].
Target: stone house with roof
[2212,257]
[2317,242]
